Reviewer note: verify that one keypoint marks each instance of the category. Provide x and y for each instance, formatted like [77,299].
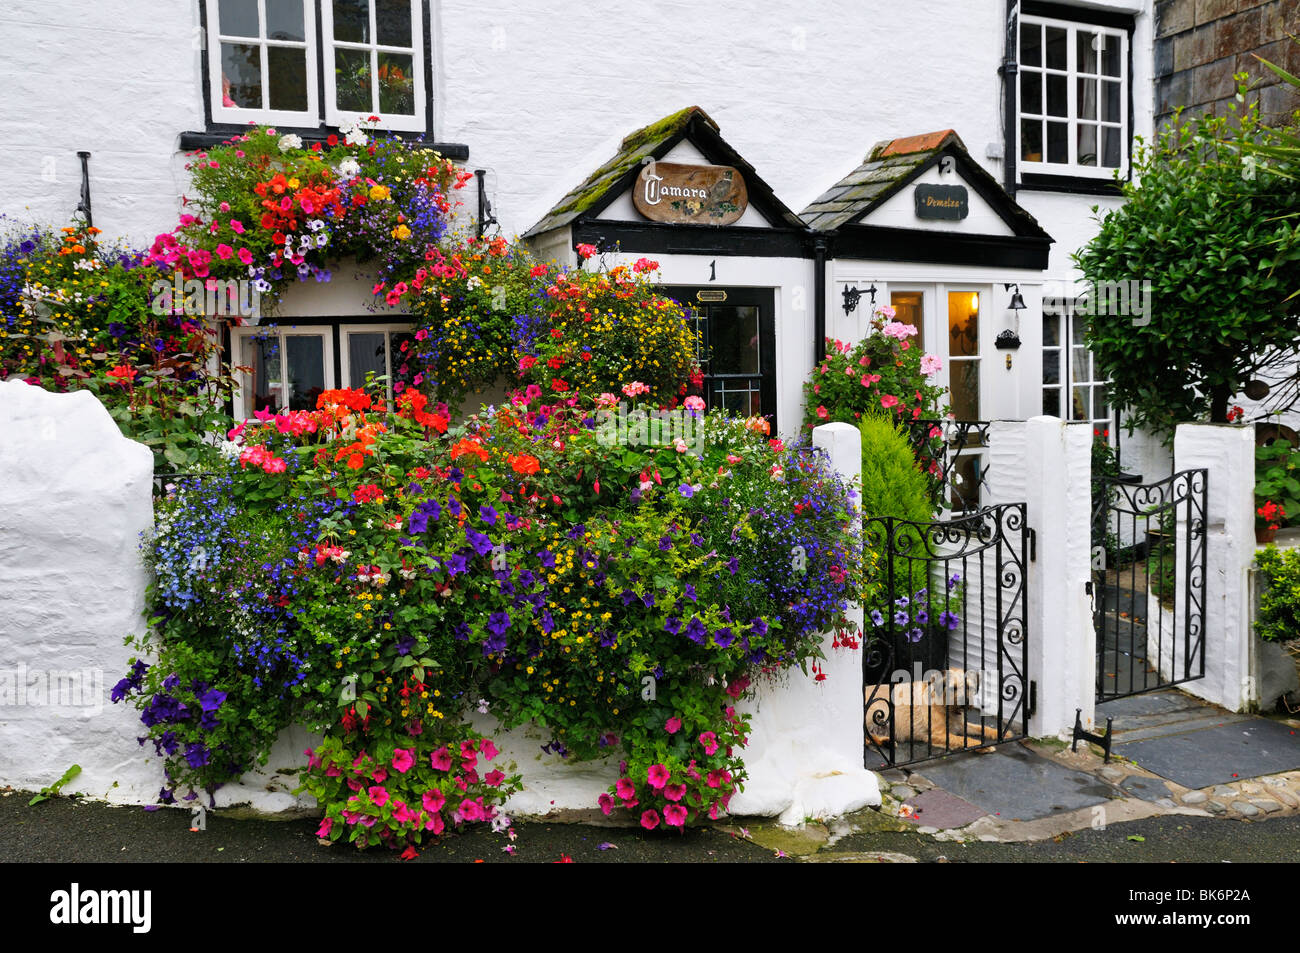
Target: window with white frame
[1073,389]
[1072,98]
[286,368]
[267,59]
[378,349]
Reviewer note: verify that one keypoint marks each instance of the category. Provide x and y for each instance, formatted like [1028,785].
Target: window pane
[1110,105]
[963,324]
[284,20]
[739,397]
[1100,408]
[1058,142]
[909,309]
[352,21]
[1051,367]
[1078,330]
[365,355]
[1110,56]
[305,356]
[1087,93]
[1056,54]
[352,80]
[263,390]
[1058,103]
[1051,330]
[1086,51]
[1110,147]
[1087,144]
[964,482]
[238,17]
[964,389]
[1080,410]
[393,22]
[1031,44]
[287,77]
[241,75]
[1080,365]
[1031,140]
[1052,401]
[734,336]
[1031,92]
[396,84]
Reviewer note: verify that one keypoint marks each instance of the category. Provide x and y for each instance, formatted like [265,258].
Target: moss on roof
[635,147]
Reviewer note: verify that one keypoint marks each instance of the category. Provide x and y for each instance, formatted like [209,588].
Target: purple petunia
[488,515]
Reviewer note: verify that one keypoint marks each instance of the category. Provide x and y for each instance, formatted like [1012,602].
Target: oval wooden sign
[690,194]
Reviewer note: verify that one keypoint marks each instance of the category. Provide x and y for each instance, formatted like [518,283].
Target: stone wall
[1200,44]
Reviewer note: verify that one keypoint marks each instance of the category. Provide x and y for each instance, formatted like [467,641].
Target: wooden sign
[950,202]
[690,194]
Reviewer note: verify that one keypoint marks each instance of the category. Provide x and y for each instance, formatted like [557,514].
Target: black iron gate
[1148,583]
[945,660]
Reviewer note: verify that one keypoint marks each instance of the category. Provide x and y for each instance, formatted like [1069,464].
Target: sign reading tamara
[942,201]
[690,194]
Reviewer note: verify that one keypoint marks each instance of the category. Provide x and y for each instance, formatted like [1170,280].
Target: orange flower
[466,447]
[524,464]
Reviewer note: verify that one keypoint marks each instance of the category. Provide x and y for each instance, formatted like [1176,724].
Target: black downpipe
[1009,69]
[820,245]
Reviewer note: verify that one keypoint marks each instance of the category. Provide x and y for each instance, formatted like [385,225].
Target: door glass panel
[1051,330]
[963,323]
[740,397]
[734,340]
[1082,411]
[1051,367]
[1052,401]
[964,387]
[909,308]
[305,360]
[365,356]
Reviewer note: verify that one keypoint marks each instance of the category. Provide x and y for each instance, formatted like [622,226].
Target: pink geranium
[888,400]
[403,759]
[675,815]
[658,776]
[650,820]
[930,364]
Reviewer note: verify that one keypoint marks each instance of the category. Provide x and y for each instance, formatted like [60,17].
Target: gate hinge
[1033,543]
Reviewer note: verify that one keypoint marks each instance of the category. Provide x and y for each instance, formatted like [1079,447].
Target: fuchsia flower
[650,820]
[658,776]
[710,742]
[675,815]
[673,725]
[403,760]
[440,760]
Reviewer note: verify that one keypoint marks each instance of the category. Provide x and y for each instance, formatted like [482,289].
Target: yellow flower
[378,192]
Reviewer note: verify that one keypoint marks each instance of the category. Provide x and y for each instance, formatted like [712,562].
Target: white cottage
[1038,104]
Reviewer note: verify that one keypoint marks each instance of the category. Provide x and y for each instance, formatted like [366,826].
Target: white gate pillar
[1047,464]
[1227,453]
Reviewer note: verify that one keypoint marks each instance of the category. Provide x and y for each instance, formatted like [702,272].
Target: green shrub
[1279,605]
[893,485]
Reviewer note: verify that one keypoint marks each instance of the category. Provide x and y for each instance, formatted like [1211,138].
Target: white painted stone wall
[74,498]
[1046,463]
[1228,452]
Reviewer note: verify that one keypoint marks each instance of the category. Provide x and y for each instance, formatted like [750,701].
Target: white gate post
[1228,454]
[805,754]
[1047,464]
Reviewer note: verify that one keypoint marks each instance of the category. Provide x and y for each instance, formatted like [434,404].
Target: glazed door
[737,347]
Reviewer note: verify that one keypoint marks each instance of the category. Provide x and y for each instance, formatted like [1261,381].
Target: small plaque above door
[714,295]
[690,194]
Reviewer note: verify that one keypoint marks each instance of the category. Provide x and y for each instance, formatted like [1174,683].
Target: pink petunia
[380,776]
[673,725]
[493,779]
[606,804]
[403,760]
[324,829]
[710,742]
[889,400]
[378,794]
[224,251]
[713,811]
[434,823]
[650,820]
[675,815]
[625,789]
[245,256]
[718,778]
[674,792]
[440,760]
[658,776]
[313,760]
[488,749]
[433,800]
[471,810]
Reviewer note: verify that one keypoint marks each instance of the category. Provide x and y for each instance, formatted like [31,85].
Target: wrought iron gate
[1148,583]
[945,660]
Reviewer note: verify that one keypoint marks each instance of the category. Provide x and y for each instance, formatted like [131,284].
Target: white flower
[483,706]
[322,240]
[474,282]
[290,141]
[229,448]
[355,137]
[315,224]
[349,167]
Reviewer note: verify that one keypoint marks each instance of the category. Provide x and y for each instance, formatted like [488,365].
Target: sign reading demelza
[690,194]
[948,202]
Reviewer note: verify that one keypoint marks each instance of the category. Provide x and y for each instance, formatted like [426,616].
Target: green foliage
[1214,233]
[57,787]
[1279,605]
[1277,476]
[892,485]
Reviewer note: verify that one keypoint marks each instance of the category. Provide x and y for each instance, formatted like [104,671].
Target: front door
[737,347]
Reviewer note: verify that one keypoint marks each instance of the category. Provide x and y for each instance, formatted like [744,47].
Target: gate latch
[1101,740]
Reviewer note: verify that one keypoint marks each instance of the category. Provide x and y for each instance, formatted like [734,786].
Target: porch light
[1010,338]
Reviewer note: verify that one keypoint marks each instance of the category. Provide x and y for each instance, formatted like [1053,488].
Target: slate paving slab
[1218,755]
[1148,789]
[1016,784]
[936,808]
